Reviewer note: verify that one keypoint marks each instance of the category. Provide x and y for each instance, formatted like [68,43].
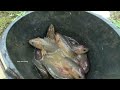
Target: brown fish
[74,50]
[61,67]
[64,59]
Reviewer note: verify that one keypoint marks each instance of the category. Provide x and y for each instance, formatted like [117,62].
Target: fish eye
[32,43]
[84,50]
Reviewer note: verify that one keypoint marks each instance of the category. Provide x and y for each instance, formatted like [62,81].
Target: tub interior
[102,41]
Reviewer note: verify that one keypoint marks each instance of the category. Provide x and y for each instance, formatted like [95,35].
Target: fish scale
[58,56]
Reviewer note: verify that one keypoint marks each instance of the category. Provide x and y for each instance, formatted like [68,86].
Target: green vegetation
[6,17]
[116,22]
[115,17]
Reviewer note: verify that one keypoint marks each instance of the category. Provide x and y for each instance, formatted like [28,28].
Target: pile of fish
[59,57]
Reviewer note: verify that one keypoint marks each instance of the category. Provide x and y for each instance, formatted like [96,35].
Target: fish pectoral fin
[43,52]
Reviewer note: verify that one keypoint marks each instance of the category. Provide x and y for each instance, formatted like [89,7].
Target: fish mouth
[30,42]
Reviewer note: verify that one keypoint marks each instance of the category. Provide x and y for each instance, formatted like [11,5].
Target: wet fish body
[62,67]
[60,56]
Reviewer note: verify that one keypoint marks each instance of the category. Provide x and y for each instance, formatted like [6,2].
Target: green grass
[116,22]
[115,18]
[6,17]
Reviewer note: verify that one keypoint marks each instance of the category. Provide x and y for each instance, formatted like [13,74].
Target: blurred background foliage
[115,17]
[6,17]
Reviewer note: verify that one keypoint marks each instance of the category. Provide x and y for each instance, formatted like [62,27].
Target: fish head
[80,49]
[51,32]
[36,42]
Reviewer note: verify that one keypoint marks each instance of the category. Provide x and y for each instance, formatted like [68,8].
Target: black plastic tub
[97,33]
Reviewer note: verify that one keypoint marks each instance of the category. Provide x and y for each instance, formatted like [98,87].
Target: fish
[82,60]
[61,67]
[51,32]
[73,50]
[60,56]
[69,45]
[58,66]
[45,45]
